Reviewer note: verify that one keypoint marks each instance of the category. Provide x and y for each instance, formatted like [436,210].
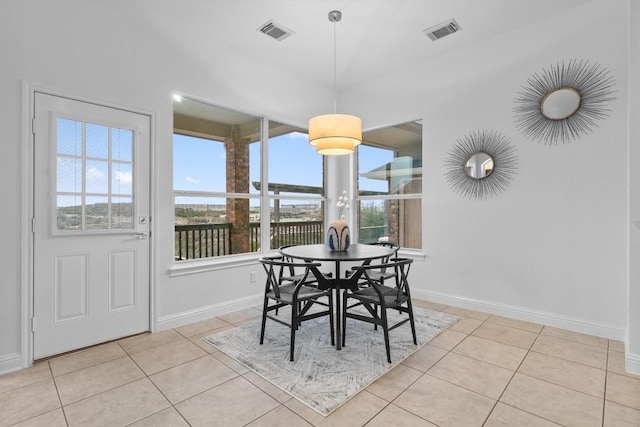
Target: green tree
[372,223]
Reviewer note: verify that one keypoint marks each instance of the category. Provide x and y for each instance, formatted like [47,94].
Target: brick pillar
[393,224]
[238,182]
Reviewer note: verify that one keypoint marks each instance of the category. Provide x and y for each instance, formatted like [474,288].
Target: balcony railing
[202,241]
[212,240]
[296,233]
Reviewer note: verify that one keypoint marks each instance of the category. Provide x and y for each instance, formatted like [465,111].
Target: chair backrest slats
[400,266]
[275,266]
[391,245]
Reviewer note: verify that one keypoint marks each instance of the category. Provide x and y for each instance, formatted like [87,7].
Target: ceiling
[369,30]
[227,30]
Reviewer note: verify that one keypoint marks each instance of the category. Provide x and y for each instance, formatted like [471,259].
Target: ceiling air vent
[443,29]
[275,30]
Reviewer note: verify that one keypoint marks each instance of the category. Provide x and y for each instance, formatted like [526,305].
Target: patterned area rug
[322,377]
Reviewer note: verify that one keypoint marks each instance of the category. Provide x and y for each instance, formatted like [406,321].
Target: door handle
[142,235]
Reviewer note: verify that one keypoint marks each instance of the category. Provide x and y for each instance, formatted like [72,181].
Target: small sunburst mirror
[479,165]
[560,104]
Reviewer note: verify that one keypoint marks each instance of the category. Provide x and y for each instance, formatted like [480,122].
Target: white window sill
[183,268]
[416,254]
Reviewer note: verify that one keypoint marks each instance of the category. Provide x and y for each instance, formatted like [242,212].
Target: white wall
[633,330]
[553,247]
[103,52]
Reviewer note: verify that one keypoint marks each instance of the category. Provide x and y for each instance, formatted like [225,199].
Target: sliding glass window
[295,188]
[389,202]
[216,157]
[221,194]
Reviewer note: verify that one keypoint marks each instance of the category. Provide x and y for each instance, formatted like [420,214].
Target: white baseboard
[204,313]
[13,362]
[599,329]
[10,362]
[632,363]
[604,330]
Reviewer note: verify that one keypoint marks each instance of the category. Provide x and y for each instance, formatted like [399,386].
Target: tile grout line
[539,352]
[422,374]
[567,388]
[188,337]
[127,355]
[519,366]
[449,351]
[505,388]
[493,408]
[499,400]
[103,391]
[452,351]
[382,409]
[130,354]
[55,384]
[606,378]
[157,388]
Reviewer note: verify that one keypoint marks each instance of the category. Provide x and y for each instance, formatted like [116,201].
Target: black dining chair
[292,275]
[382,274]
[386,297]
[280,292]
[379,275]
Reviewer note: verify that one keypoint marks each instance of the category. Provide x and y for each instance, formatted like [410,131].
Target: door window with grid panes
[94,173]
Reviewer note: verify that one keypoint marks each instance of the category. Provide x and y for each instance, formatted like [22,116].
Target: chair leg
[331,322]
[344,316]
[264,319]
[375,325]
[411,321]
[294,326]
[385,328]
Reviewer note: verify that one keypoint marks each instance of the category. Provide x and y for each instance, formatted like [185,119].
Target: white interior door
[91,224]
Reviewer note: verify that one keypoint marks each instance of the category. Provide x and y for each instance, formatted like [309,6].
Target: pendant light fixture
[335,134]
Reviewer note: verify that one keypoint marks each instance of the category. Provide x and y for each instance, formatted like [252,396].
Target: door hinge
[33,126]
[33,225]
[33,324]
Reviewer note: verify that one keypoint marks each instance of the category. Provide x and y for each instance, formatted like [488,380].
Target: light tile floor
[483,371]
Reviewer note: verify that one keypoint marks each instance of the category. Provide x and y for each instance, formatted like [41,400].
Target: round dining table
[355,253]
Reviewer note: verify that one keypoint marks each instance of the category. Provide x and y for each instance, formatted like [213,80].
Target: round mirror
[479,165]
[560,104]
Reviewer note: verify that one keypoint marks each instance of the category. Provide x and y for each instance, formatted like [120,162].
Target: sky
[200,165]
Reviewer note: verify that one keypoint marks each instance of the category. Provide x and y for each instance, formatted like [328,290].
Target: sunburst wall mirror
[480,165]
[564,101]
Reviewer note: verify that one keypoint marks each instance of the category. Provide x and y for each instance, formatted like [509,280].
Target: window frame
[321,198]
[417,253]
[190,266]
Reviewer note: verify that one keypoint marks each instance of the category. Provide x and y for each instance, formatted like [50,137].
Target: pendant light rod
[335,16]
